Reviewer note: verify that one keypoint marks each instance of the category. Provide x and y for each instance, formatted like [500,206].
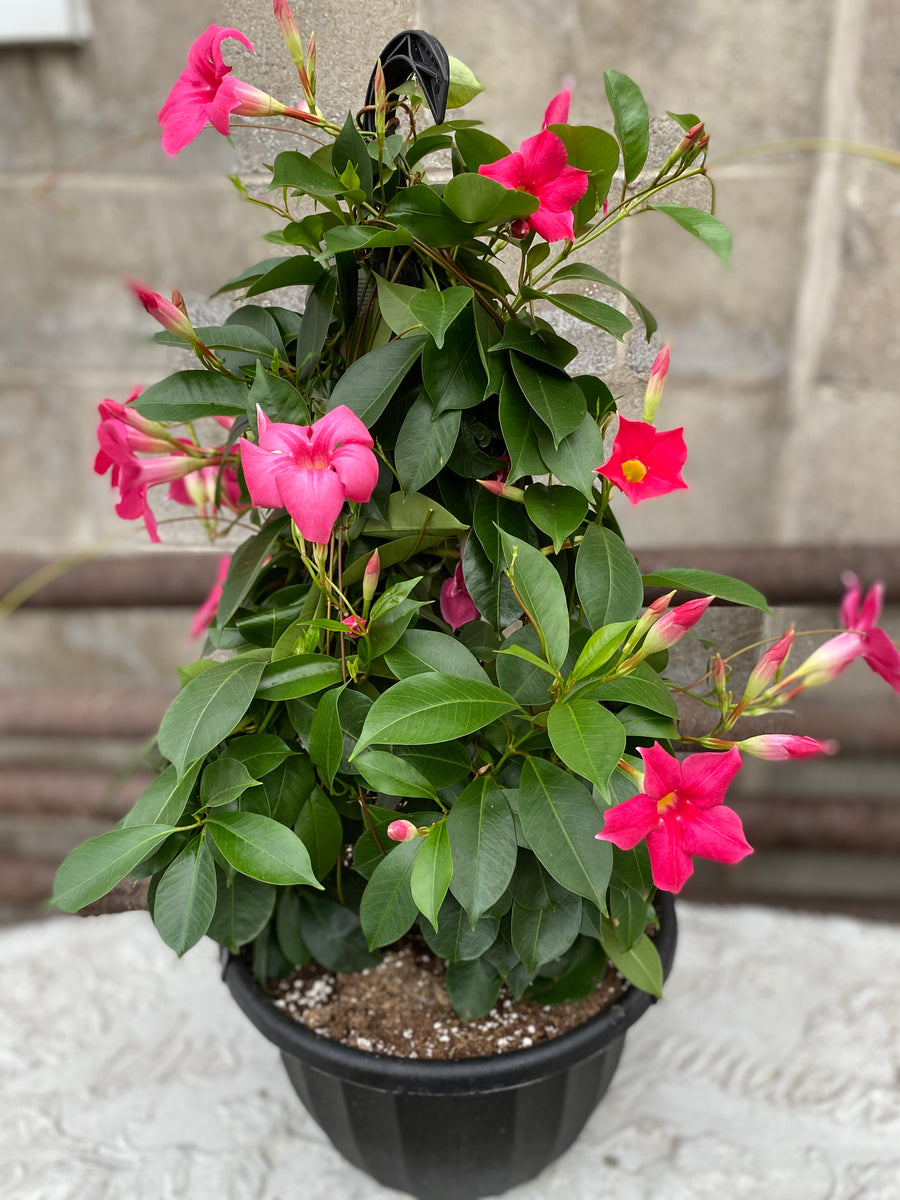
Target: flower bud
[356,626]
[402,831]
[777,747]
[496,488]
[172,318]
[654,391]
[291,34]
[824,664]
[674,624]
[720,681]
[768,667]
[457,606]
[519,229]
[370,580]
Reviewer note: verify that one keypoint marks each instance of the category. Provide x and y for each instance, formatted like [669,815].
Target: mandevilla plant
[436,697]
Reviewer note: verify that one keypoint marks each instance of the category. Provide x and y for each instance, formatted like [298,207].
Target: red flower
[680,813]
[540,168]
[645,462]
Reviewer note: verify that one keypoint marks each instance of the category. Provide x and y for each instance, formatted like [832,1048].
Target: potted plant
[434,708]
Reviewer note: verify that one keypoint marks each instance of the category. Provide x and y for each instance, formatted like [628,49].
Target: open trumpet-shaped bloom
[311,469]
[859,614]
[680,813]
[645,462]
[540,167]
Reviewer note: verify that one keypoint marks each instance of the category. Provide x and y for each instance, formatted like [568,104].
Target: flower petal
[670,863]
[357,468]
[259,471]
[313,497]
[662,772]
[883,657]
[629,822]
[509,171]
[338,426]
[552,226]
[707,776]
[715,833]
[543,159]
[558,109]
[565,190]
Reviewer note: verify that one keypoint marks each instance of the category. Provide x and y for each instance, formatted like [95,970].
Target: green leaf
[587,271]
[640,964]
[607,578]
[687,121]
[295,271]
[315,325]
[642,687]
[413,514]
[517,427]
[482,201]
[387,909]
[632,122]
[560,821]
[477,148]
[493,515]
[554,397]
[243,909]
[207,710]
[326,738]
[587,737]
[592,150]
[541,934]
[384,632]
[319,828]
[223,781]
[364,237]
[599,648]
[453,939]
[287,787]
[369,383]
[259,752]
[642,723]
[189,395]
[298,675]
[463,84]
[349,147]
[525,678]
[628,913]
[432,871]
[295,170]
[709,584]
[421,650]
[391,775]
[424,444]
[702,225]
[422,211]
[278,399]
[438,310]
[261,848]
[539,588]
[579,973]
[287,928]
[245,567]
[394,304]
[494,598]
[97,865]
[185,898]
[333,934]
[432,707]
[586,308]
[163,802]
[453,376]
[250,275]
[557,510]
[441,765]
[536,341]
[473,988]
[483,845]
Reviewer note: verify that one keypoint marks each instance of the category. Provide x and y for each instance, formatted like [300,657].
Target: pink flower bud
[402,831]
[674,624]
[290,33]
[457,606]
[370,579]
[777,747]
[825,664]
[356,627]
[519,229]
[765,671]
[654,391]
[500,488]
[172,319]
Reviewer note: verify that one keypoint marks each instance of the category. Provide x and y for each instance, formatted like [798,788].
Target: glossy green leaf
[291,942]
[523,678]
[483,845]
[557,510]
[163,802]
[463,84]
[453,938]
[333,933]
[326,738]
[541,934]
[479,200]
[413,514]
[349,147]
[643,723]
[277,398]
[288,786]
[477,148]
[364,237]
[387,630]
[368,384]
[607,578]
[259,752]
[388,910]
[599,648]
[560,821]
[442,765]
[207,710]
[576,975]
[702,225]
[421,650]
[587,737]
[223,781]
[588,271]
[572,462]
[437,310]
[424,444]
[432,707]
[319,828]
[394,304]
[431,873]
[261,848]
[185,898]
[295,271]
[473,987]
[709,583]
[243,909]
[640,964]
[538,586]
[554,397]
[317,316]
[97,865]
[422,211]
[587,309]
[453,375]
[536,341]
[248,276]
[493,597]
[391,775]
[243,572]
[628,913]
[592,150]
[295,170]
[298,675]
[189,395]
[517,427]
[642,687]
[632,121]
[493,515]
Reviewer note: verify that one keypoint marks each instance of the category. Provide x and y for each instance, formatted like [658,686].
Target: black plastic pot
[453,1130]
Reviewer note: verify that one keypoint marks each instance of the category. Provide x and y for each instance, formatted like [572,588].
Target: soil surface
[400,1008]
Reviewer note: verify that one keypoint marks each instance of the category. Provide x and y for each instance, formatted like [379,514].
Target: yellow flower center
[634,470]
[666,802]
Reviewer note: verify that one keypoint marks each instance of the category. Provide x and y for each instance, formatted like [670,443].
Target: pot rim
[496,1072]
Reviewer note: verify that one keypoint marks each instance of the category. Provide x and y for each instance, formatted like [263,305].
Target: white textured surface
[771,1069]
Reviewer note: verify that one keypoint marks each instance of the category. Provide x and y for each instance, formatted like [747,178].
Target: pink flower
[776,747]
[540,168]
[311,469]
[356,626]
[457,606]
[824,664]
[674,624]
[860,614]
[204,615]
[402,831]
[135,477]
[680,813]
[206,93]
[168,314]
[208,489]
[645,462]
